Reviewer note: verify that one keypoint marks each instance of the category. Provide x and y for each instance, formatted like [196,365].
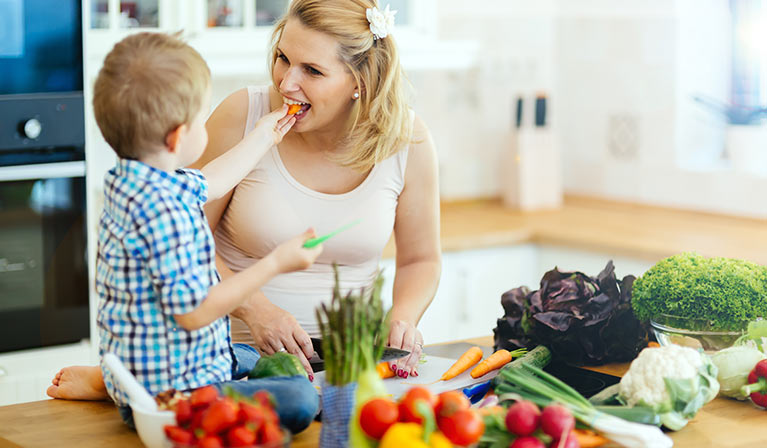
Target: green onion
[533,384]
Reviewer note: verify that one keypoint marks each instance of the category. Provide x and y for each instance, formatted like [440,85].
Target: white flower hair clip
[381,22]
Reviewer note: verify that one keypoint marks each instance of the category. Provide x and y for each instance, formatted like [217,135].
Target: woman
[355,151]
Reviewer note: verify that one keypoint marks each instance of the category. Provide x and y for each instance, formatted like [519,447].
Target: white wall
[621,76]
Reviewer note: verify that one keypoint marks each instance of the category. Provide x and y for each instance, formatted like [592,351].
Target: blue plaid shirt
[156,259]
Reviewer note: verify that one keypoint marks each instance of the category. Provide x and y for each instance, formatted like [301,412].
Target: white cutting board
[428,372]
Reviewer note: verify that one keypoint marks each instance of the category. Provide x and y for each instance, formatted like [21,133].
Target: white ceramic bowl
[150,424]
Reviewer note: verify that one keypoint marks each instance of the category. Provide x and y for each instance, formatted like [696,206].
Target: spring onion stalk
[533,384]
[354,332]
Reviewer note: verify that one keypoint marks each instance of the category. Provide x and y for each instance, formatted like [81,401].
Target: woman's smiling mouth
[297,108]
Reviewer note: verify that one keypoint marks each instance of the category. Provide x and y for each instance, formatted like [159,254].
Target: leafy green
[581,319]
[724,291]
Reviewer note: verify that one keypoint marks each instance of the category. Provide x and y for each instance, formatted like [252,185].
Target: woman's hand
[407,337]
[274,330]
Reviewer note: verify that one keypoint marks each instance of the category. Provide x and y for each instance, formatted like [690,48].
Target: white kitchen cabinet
[233,35]
[25,375]
[467,302]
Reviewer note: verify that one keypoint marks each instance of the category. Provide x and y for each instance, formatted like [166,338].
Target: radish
[570,442]
[556,421]
[523,418]
[527,442]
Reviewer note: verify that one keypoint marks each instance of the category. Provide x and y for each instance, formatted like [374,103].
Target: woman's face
[308,71]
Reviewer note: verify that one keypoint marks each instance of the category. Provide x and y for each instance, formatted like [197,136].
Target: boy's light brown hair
[150,84]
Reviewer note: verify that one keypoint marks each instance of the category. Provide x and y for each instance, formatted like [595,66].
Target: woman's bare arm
[416,232]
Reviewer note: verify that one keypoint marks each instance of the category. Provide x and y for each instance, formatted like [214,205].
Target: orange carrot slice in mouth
[293,109]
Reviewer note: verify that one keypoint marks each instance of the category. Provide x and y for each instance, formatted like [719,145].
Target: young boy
[163,311]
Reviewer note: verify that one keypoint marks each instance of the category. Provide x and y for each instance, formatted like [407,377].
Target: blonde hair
[380,122]
[150,84]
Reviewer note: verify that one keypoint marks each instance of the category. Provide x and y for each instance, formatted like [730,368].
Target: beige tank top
[269,206]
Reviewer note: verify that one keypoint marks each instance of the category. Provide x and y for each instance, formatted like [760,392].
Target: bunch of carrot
[473,355]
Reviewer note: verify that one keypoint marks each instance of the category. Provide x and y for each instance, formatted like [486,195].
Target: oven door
[43,255]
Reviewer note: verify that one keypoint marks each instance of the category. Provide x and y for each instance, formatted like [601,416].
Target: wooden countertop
[50,423]
[617,228]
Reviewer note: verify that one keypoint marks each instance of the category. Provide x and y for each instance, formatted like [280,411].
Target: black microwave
[43,239]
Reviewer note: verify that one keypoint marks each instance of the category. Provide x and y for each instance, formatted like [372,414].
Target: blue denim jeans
[296,397]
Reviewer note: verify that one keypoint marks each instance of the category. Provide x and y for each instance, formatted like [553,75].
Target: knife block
[531,177]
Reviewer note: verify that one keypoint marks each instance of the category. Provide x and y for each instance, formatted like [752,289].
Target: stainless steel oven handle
[42,171]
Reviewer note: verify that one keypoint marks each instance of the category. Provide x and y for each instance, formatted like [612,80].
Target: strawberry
[211,441]
[271,416]
[264,397]
[219,416]
[240,435]
[252,414]
[183,412]
[203,396]
[270,433]
[179,435]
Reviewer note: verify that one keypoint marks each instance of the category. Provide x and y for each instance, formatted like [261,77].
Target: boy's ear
[173,139]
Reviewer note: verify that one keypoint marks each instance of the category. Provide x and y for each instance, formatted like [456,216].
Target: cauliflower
[675,381]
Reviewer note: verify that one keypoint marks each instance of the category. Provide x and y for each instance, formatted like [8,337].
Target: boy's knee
[298,405]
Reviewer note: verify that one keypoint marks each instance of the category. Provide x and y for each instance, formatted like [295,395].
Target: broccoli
[726,292]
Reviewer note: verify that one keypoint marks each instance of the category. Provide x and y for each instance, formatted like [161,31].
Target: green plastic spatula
[320,239]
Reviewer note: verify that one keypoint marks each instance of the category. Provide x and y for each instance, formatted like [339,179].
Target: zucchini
[538,357]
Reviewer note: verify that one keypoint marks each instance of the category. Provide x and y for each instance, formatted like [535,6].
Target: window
[748,93]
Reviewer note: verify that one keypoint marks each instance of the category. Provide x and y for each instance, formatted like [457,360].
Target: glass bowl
[695,333]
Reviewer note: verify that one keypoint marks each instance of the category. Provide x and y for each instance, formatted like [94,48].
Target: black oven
[43,244]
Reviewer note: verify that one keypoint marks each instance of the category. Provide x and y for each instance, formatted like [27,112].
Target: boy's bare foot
[78,383]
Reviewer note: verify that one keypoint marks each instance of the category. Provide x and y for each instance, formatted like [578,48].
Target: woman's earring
[356,95]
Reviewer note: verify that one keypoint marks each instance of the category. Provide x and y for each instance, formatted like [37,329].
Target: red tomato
[183,412]
[220,416]
[450,402]
[203,396]
[240,435]
[179,435]
[270,433]
[211,441]
[463,428]
[407,408]
[377,415]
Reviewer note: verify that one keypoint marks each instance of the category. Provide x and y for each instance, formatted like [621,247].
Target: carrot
[384,371]
[293,108]
[653,344]
[495,361]
[468,359]
[589,439]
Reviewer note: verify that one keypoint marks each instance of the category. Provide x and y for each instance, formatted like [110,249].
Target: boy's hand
[293,256]
[272,127]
